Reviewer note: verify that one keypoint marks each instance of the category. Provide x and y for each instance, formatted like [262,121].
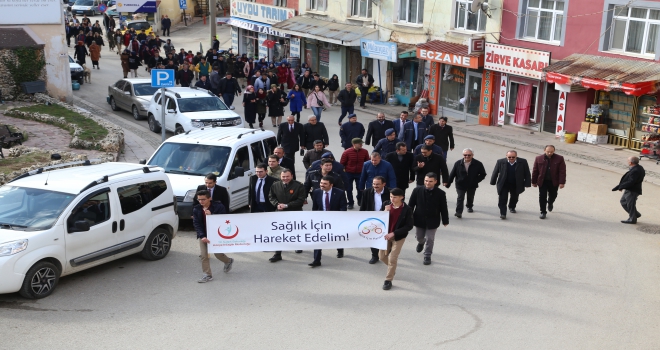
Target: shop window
[544,20]
[467,20]
[317,5]
[281,3]
[361,8]
[452,87]
[411,11]
[528,95]
[634,30]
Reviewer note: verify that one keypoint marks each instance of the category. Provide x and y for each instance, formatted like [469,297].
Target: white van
[230,153]
[86,7]
[55,223]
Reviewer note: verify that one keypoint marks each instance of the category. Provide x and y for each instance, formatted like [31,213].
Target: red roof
[447,47]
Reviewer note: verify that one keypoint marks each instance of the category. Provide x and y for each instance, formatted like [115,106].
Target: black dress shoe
[427,260]
[314,264]
[350,206]
[374,259]
[503,217]
[340,254]
[638,215]
[550,207]
[458,215]
[298,251]
[512,210]
[387,285]
[275,258]
[629,221]
[470,210]
[420,247]
[542,216]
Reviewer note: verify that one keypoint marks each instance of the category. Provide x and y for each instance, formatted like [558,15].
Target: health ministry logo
[227,231]
[372,228]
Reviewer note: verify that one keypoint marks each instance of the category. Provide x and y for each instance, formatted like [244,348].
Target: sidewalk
[605,157]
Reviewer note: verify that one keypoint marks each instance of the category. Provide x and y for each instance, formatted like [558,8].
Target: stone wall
[7,84]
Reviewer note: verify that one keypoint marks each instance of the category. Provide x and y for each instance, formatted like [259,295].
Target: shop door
[472,97]
[550,119]
[355,66]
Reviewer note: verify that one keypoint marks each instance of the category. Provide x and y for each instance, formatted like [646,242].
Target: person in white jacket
[317,100]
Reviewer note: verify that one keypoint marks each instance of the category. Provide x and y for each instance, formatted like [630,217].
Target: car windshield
[191,159]
[144,89]
[71,60]
[201,104]
[84,2]
[23,208]
[139,25]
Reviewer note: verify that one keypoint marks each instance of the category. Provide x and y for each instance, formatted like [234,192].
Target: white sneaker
[205,279]
[228,265]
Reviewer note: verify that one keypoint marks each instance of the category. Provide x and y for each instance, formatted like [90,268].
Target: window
[411,11]
[513,94]
[317,5]
[258,153]
[135,197]
[270,144]
[94,209]
[281,3]
[170,104]
[635,30]
[361,8]
[545,19]
[467,20]
[120,84]
[242,159]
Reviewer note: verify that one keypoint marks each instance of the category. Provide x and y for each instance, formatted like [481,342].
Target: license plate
[80,11]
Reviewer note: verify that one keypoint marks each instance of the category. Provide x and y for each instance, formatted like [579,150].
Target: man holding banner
[327,198]
[207,207]
[400,223]
[286,195]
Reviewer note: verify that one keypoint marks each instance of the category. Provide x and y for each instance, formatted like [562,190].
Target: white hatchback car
[58,222]
[188,108]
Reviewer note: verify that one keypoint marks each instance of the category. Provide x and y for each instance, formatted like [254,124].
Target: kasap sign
[233,233]
[260,13]
[516,60]
[144,6]
[380,50]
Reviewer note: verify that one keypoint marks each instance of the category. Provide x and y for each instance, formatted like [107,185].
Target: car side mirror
[239,171]
[173,111]
[142,161]
[128,93]
[81,226]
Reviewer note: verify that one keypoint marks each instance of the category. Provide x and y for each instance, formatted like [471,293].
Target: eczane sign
[448,58]
[516,60]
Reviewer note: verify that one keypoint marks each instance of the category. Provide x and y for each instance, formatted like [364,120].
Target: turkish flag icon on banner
[269,44]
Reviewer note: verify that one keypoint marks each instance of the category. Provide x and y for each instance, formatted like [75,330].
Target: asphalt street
[577,280]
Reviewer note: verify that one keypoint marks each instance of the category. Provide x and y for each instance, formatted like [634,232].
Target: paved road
[578,280]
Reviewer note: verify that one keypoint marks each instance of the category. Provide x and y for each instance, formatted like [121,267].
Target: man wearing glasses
[468,173]
[511,175]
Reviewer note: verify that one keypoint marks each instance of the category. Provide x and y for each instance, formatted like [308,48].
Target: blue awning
[256,27]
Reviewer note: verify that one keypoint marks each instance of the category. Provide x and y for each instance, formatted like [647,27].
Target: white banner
[561,111]
[296,230]
[294,49]
[263,51]
[501,108]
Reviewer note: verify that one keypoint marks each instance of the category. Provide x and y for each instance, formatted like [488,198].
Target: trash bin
[570,137]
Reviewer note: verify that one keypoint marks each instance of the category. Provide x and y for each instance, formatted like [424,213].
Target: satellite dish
[476,5]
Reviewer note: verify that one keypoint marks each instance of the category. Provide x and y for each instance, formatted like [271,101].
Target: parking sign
[183,4]
[162,78]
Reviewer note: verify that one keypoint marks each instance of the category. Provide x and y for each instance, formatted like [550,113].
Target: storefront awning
[449,53]
[604,73]
[336,33]
[407,50]
[255,27]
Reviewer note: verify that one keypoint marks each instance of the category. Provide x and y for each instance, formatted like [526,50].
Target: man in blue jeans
[347,98]
[228,88]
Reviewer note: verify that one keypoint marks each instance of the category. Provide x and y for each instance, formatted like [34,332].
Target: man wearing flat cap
[428,140]
[388,144]
[351,130]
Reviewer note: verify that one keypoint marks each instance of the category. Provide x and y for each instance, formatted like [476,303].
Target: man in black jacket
[228,88]
[207,207]
[403,162]
[364,82]
[313,178]
[314,154]
[260,185]
[376,129]
[631,185]
[428,162]
[444,135]
[291,136]
[400,223]
[347,99]
[327,198]
[429,205]
[372,200]
[468,173]
[185,76]
[317,81]
[217,192]
[203,83]
[166,23]
[286,195]
[314,131]
[305,82]
[511,174]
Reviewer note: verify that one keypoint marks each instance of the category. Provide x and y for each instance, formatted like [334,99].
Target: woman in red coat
[282,74]
[291,81]
[127,38]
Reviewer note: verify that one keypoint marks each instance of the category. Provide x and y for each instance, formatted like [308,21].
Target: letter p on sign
[162,78]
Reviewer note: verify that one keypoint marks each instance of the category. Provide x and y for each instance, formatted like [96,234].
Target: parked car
[230,153]
[138,25]
[86,7]
[131,95]
[76,71]
[190,108]
[58,222]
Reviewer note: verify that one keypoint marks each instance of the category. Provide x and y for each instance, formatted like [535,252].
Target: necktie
[261,182]
[415,126]
[290,128]
[327,201]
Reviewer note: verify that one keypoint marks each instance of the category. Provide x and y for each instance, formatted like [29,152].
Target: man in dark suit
[429,162]
[218,193]
[511,174]
[400,124]
[631,185]
[286,195]
[260,185]
[429,205]
[291,136]
[207,207]
[468,173]
[327,198]
[372,200]
[403,162]
[426,117]
[284,161]
[376,129]
[444,135]
[315,130]
[414,133]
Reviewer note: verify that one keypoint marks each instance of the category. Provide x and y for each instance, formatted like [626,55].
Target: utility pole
[212,20]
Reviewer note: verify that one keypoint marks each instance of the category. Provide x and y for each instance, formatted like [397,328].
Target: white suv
[190,108]
[55,223]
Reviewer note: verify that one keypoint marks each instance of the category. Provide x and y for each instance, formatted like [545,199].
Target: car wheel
[153,124]
[113,104]
[40,280]
[158,245]
[136,113]
[179,130]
